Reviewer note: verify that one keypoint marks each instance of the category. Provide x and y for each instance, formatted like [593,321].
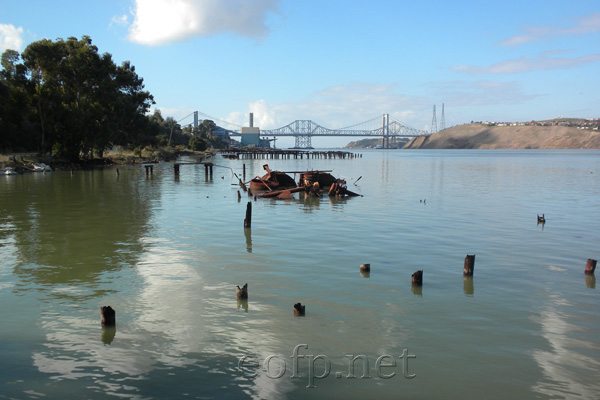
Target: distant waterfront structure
[251,135]
[434,128]
[443,120]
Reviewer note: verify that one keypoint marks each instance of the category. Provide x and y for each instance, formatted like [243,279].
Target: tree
[83,101]
[197,143]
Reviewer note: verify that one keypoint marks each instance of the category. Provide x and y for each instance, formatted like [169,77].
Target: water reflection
[242,304]
[567,365]
[60,215]
[590,281]
[468,286]
[248,236]
[108,334]
[417,290]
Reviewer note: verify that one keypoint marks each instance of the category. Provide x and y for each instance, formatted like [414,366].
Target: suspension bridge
[385,127]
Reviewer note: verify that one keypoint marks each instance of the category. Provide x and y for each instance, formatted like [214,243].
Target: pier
[273,154]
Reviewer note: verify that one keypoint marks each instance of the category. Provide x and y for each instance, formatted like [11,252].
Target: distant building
[251,135]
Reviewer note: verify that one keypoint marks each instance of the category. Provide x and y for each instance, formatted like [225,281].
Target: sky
[339,63]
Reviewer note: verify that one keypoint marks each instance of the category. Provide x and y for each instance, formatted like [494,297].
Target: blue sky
[339,63]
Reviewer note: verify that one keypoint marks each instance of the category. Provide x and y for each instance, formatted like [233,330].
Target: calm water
[167,254]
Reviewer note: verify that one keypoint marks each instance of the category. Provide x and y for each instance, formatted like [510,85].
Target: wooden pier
[265,154]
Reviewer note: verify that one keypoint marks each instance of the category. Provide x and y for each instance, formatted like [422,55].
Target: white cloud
[159,22]
[338,107]
[526,64]
[585,25]
[10,38]
[119,20]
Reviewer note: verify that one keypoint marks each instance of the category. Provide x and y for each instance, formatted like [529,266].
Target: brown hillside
[479,136]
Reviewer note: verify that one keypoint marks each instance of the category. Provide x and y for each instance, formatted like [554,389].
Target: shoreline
[22,162]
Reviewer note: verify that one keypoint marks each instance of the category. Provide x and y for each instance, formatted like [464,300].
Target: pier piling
[248,220]
[469,265]
[417,278]
[590,267]
[107,316]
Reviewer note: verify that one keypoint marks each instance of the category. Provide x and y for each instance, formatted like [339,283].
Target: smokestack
[251,120]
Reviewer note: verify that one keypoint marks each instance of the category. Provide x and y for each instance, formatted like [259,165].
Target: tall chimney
[251,120]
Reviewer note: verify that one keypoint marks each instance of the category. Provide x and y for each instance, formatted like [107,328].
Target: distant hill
[375,143]
[483,136]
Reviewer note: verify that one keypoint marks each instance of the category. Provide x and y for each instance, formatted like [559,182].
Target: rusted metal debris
[272,180]
[312,183]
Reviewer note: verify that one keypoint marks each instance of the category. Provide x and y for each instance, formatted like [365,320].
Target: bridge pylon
[303,142]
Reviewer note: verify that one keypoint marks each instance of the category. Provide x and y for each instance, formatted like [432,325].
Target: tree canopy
[65,97]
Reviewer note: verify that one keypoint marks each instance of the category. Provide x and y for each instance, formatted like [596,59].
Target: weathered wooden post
[241,292]
[239,196]
[206,171]
[176,169]
[417,278]
[244,172]
[299,310]
[107,316]
[590,267]
[248,220]
[365,267]
[117,172]
[469,265]
[147,170]
[211,171]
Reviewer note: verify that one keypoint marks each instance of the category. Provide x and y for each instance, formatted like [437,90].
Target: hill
[482,136]
[375,143]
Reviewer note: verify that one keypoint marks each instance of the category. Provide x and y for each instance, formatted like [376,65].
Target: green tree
[18,133]
[197,143]
[83,101]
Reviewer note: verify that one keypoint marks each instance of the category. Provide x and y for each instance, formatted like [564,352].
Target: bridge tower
[443,121]
[385,132]
[434,128]
[303,142]
[195,121]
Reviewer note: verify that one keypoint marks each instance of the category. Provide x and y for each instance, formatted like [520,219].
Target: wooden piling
[176,166]
[107,316]
[244,172]
[365,267]
[299,309]
[590,267]
[469,265]
[417,278]
[248,220]
[241,292]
